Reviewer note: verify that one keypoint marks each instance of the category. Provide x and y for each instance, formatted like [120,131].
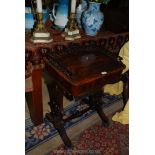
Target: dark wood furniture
[79,71]
[33,55]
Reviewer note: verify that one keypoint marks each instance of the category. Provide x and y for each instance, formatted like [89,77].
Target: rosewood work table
[79,72]
[34,54]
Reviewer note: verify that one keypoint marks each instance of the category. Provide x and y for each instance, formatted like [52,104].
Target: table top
[77,67]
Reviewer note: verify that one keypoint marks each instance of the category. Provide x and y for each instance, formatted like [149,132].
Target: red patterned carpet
[98,140]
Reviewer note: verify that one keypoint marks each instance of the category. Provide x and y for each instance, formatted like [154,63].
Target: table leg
[55,116]
[37,105]
[95,101]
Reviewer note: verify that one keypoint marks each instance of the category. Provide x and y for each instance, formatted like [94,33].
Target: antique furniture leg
[95,100]
[55,116]
[37,116]
[37,104]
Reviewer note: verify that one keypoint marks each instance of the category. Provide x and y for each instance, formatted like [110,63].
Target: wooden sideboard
[33,57]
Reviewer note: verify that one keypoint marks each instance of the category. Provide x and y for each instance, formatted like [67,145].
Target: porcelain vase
[92,19]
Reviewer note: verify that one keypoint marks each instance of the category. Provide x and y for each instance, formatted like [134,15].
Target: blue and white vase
[80,9]
[92,19]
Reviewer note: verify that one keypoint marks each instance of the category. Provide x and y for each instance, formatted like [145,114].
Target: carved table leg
[95,101]
[55,116]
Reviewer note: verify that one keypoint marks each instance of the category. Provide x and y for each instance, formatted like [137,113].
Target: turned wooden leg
[55,116]
[37,105]
[95,100]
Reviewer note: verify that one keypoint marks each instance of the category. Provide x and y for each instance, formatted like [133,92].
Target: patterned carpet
[98,140]
[35,136]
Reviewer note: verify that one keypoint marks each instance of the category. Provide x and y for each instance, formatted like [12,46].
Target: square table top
[84,67]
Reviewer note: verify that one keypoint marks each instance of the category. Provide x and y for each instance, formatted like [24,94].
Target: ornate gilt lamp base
[40,35]
[71,31]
